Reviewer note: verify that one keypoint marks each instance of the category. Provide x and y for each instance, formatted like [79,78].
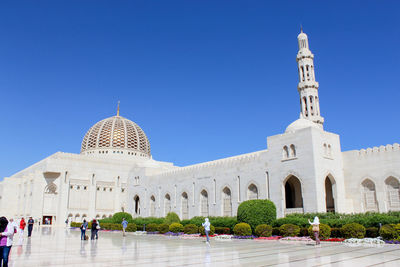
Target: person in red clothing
[22,225]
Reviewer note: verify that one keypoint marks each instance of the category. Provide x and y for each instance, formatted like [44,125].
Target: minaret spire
[118,109]
[308,86]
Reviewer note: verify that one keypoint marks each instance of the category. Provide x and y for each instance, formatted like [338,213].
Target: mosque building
[303,170]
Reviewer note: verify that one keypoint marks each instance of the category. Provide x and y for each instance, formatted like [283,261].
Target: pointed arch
[293,193]
[204,203]
[369,195]
[152,209]
[136,203]
[226,201]
[393,193]
[167,204]
[252,191]
[185,206]
[330,191]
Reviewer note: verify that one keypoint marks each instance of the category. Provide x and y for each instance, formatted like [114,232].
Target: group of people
[95,227]
[8,228]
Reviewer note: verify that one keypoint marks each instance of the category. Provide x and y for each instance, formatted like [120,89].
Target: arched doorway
[185,206]
[252,192]
[329,192]
[393,193]
[226,202]
[136,200]
[293,195]
[167,204]
[204,203]
[369,195]
[152,206]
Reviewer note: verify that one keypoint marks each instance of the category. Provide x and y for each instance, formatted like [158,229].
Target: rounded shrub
[289,230]
[116,226]
[117,217]
[242,229]
[176,228]
[202,232]
[336,232]
[131,227]
[388,232]
[275,231]
[222,230]
[372,232]
[152,227]
[163,228]
[171,217]
[353,230]
[257,211]
[191,229]
[324,231]
[263,230]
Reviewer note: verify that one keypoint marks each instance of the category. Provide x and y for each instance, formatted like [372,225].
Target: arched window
[292,151]
[97,216]
[302,72]
[185,206]
[77,218]
[325,149]
[252,192]
[152,206]
[393,193]
[369,195]
[285,152]
[204,203]
[167,204]
[293,193]
[305,106]
[226,202]
[329,150]
[329,194]
[311,106]
[136,201]
[84,216]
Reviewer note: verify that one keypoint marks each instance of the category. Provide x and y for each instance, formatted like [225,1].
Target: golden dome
[117,134]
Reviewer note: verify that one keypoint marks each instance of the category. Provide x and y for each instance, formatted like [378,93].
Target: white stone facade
[303,170]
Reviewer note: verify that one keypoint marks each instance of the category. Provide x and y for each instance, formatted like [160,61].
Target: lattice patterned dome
[116,135]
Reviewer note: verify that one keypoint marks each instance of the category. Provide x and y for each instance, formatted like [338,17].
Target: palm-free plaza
[57,246]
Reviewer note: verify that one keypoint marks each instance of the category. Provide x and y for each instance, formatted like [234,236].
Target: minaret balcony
[307,84]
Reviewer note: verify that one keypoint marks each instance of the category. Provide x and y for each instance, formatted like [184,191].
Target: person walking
[97,229]
[315,229]
[84,226]
[22,225]
[93,230]
[206,226]
[6,240]
[124,225]
[30,226]
[66,222]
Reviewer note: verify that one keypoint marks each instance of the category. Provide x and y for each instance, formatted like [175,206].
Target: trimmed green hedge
[390,231]
[222,230]
[324,231]
[190,229]
[242,229]
[176,228]
[163,228]
[263,230]
[289,230]
[353,230]
[152,227]
[172,217]
[202,232]
[257,211]
[117,217]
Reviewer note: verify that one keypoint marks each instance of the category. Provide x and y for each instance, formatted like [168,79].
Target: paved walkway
[57,247]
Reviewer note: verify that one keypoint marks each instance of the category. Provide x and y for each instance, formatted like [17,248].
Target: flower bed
[190,236]
[296,238]
[244,236]
[139,233]
[223,237]
[276,237]
[174,234]
[334,240]
[393,242]
[364,241]
[153,233]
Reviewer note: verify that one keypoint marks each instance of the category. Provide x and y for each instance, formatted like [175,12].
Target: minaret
[307,87]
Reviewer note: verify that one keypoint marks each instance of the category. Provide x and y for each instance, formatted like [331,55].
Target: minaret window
[302,72]
[305,106]
[311,106]
[308,72]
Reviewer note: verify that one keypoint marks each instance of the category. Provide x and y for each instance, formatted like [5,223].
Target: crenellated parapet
[378,150]
[226,162]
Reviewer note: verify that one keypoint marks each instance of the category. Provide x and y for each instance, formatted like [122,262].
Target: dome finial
[118,109]
[301,28]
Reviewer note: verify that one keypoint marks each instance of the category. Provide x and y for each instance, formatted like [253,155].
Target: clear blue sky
[204,79]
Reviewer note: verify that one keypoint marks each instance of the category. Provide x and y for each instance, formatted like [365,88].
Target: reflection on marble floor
[57,246]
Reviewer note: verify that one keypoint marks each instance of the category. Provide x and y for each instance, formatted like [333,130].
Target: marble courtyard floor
[58,247]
